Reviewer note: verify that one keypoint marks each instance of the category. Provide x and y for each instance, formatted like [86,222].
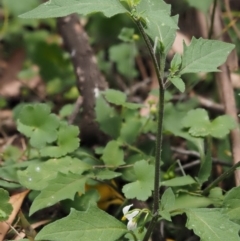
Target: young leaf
[231,202]
[115,97]
[211,224]
[38,175]
[203,55]
[113,154]
[67,142]
[64,186]
[108,119]
[36,122]
[178,83]
[5,206]
[60,8]
[143,186]
[93,224]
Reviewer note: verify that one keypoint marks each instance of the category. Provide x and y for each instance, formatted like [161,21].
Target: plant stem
[220,178]
[160,76]
[212,19]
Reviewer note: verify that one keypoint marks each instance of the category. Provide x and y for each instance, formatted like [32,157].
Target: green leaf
[143,186]
[113,154]
[124,56]
[38,175]
[167,200]
[176,62]
[5,206]
[231,202]
[115,97]
[60,8]
[126,34]
[159,22]
[222,125]
[67,142]
[203,5]
[107,117]
[211,224]
[64,186]
[36,122]
[93,224]
[178,83]
[130,130]
[198,122]
[106,174]
[179,181]
[66,110]
[204,55]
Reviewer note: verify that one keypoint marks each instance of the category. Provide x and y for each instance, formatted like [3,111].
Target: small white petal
[130,216]
[125,209]
[131,225]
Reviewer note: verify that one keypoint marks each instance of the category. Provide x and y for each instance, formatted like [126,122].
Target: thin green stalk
[160,76]
[220,178]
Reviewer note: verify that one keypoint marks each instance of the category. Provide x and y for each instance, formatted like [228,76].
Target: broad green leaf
[36,122]
[130,130]
[38,175]
[126,34]
[176,62]
[211,224]
[179,181]
[203,55]
[64,186]
[202,5]
[93,224]
[60,8]
[5,206]
[115,97]
[133,106]
[222,125]
[107,117]
[178,83]
[66,110]
[231,202]
[67,142]
[123,55]
[167,200]
[143,186]
[113,154]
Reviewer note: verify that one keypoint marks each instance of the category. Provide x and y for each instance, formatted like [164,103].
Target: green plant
[62,168]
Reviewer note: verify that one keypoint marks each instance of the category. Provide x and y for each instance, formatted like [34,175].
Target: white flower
[132,224]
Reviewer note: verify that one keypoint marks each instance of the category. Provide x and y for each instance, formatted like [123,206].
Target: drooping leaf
[231,202]
[38,175]
[203,55]
[60,8]
[178,83]
[167,200]
[107,117]
[93,224]
[179,181]
[143,186]
[36,122]
[211,224]
[64,186]
[67,142]
[5,206]
[113,154]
